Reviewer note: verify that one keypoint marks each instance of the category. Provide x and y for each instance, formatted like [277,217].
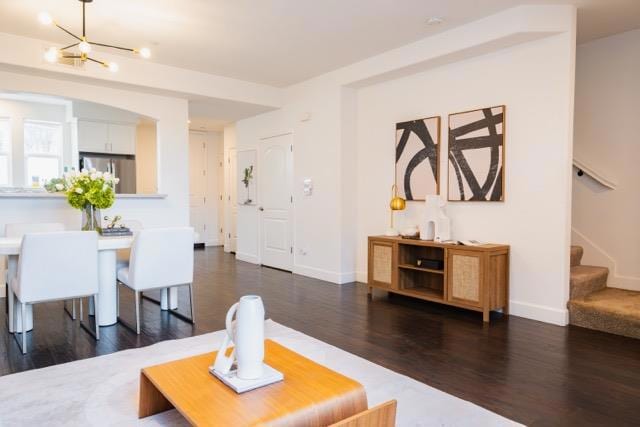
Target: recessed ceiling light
[434,20]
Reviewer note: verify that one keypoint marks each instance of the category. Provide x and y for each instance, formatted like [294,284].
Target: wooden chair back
[383,415]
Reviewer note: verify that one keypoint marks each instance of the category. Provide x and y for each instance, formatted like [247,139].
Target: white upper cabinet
[111,138]
[122,138]
[93,137]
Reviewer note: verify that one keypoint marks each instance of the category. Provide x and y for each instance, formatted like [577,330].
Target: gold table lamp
[397,204]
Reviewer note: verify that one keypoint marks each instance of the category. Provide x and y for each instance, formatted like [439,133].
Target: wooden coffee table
[310,394]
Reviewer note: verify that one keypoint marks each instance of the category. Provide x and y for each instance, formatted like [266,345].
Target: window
[42,151]
[5,152]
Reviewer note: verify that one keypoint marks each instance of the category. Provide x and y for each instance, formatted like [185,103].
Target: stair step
[576,255]
[586,279]
[616,311]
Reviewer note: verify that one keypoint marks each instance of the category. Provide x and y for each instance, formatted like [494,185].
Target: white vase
[248,335]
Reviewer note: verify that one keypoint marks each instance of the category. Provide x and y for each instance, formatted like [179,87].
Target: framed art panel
[417,155]
[476,155]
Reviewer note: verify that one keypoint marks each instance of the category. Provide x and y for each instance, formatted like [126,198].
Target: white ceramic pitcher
[248,338]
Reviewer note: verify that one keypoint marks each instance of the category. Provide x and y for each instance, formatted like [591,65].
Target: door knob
[260,208]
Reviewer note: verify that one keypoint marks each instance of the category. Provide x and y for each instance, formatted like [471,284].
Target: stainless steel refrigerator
[121,166]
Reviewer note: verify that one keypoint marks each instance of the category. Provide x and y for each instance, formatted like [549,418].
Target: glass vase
[90,218]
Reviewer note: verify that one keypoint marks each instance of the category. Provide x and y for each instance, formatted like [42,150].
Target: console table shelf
[473,277]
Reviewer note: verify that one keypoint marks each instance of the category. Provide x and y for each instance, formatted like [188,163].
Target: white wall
[344,140]
[606,138]
[533,81]
[171,114]
[146,158]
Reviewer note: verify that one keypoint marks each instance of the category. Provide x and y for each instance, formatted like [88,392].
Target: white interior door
[276,200]
[197,185]
[233,200]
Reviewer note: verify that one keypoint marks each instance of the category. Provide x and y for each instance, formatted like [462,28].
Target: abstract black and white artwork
[476,155]
[417,152]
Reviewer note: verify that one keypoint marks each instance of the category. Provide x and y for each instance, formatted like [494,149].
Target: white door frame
[291,205]
[230,206]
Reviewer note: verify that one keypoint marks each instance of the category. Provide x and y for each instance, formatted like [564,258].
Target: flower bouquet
[89,191]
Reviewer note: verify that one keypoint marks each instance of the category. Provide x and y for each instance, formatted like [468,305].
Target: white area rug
[103,391]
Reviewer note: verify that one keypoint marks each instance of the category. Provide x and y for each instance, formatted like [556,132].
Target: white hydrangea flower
[79,190]
[59,187]
[106,176]
[116,180]
[99,174]
[93,176]
[92,170]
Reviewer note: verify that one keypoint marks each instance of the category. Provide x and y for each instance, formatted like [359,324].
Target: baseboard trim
[326,275]
[541,313]
[595,255]
[362,276]
[253,259]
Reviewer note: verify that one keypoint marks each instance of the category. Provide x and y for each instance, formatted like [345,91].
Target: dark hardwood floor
[531,372]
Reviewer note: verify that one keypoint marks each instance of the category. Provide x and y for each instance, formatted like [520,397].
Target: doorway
[205,186]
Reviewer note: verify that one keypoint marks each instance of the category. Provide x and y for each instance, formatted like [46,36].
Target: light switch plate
[307,187]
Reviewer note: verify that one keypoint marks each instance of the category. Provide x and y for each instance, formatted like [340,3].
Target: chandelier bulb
[84,46]
[145,52]
[113,67]
[45,18]
[51,55]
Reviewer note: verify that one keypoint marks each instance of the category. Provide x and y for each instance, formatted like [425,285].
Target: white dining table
[108,304]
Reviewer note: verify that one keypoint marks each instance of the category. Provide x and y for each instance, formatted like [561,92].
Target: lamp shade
[397,203]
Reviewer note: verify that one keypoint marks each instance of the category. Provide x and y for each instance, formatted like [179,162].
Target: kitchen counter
[45,195]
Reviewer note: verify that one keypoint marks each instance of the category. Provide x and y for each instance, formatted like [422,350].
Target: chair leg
[117,299]
[193,315]
[71,313]
[24,328]
[137,312]
[22,341]
[11,301]
[175,311]
[85,325]
[96,316]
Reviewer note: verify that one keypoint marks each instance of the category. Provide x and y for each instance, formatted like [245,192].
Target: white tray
[238,385]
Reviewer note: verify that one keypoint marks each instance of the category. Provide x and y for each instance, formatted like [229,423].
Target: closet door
[197,185]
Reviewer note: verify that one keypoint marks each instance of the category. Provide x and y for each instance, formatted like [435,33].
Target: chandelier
[83,45]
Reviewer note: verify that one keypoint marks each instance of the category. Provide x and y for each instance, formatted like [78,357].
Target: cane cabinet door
[381,268]
[464,277]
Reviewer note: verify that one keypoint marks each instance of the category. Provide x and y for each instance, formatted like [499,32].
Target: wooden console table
[310,394]
[473,277]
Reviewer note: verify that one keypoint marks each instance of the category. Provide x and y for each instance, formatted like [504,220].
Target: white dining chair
[123,255]
[19,230]
[56,266]
[160,258]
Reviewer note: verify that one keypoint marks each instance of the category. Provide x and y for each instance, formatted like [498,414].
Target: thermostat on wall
[307,186]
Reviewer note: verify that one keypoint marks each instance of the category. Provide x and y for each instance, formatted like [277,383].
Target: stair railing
[583,168]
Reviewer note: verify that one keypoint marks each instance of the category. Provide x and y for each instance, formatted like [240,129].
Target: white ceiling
[280,42]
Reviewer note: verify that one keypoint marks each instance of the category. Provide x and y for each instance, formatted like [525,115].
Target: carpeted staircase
[593,305]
